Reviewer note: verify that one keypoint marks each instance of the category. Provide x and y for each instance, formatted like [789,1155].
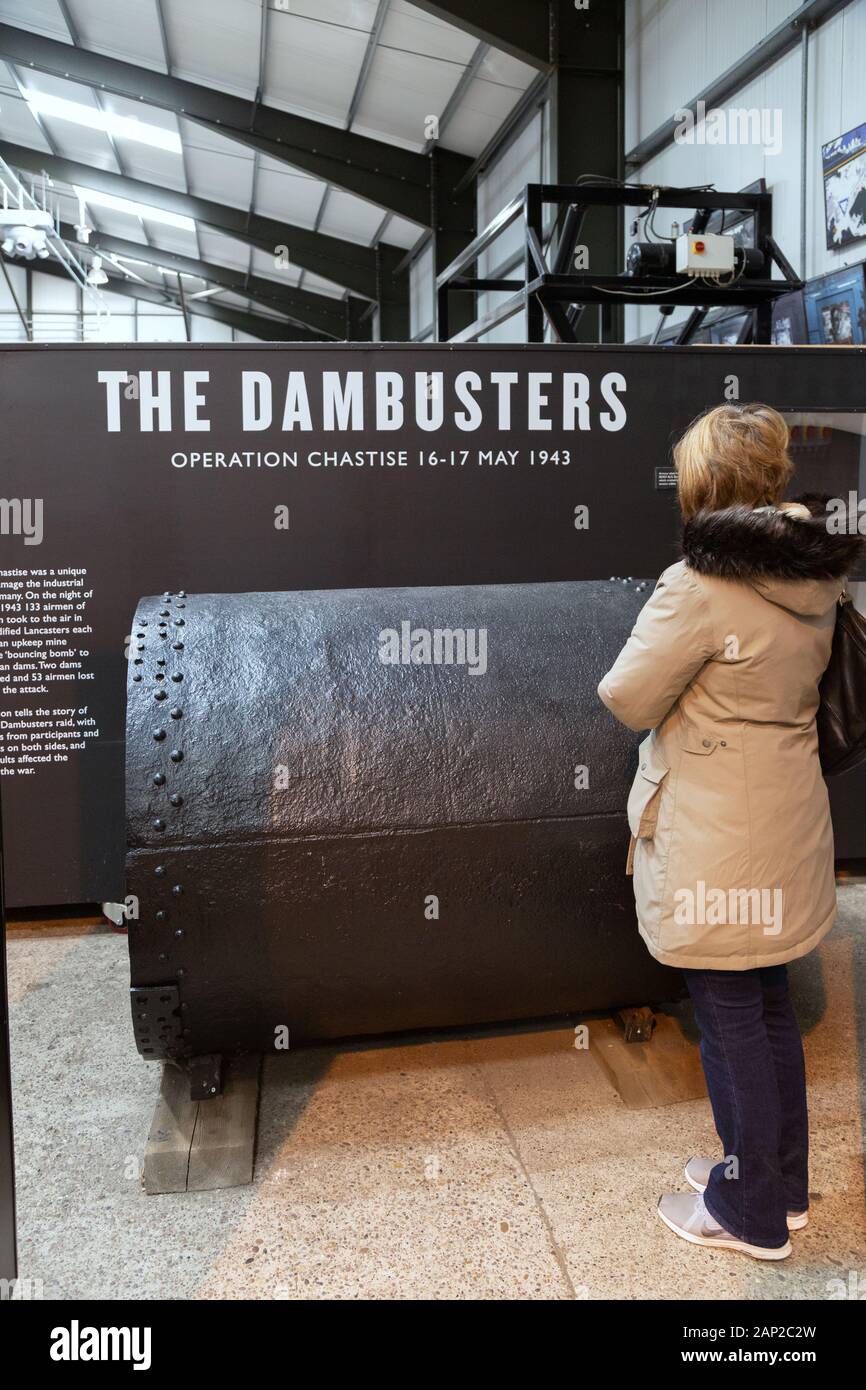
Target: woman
[732,845]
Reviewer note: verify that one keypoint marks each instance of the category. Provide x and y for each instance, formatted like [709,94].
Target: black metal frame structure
[551,293]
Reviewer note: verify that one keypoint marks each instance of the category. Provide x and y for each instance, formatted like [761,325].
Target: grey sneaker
[697,1172]
[686,1215]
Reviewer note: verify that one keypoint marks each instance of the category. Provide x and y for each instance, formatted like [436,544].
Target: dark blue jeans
[756,1076]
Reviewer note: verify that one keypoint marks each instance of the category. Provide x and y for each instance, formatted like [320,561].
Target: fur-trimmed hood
[794,560]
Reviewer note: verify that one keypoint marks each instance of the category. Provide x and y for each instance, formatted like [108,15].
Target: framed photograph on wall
[836,307]
[843,163]
[789,320]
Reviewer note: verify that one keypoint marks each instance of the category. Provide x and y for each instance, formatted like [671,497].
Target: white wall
[55,312]
[675,48]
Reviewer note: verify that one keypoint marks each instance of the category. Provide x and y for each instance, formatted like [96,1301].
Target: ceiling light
[96,275]
[24,232]
[142,210]
[125,127]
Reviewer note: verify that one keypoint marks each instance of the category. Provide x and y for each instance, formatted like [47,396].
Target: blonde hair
[733,455]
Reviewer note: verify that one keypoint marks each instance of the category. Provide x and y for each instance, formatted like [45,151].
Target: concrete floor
[500,1166]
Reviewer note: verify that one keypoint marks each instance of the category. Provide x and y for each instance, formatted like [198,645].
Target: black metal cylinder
[361,811]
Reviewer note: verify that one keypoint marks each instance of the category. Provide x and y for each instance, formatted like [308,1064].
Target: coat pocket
[645,794]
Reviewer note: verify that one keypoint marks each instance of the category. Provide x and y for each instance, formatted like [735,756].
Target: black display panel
[245,467]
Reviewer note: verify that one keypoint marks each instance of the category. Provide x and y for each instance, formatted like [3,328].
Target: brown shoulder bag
[841,717]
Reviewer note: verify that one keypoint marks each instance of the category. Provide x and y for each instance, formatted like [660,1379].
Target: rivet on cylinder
[159,870]
[137,676]
[160,695]
[180,622]
[178,931]
[159,824]
[177,712]
[176,799]
[177,676]
[158,779]
[176,755]
[177,889]
[177,646]
[161,915]
[159,735]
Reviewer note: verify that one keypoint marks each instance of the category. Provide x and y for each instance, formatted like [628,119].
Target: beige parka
[732,843]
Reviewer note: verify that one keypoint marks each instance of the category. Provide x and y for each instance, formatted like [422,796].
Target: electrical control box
[705,253]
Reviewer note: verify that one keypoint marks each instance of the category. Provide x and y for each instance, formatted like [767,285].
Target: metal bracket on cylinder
[205,1076]
[156,1019]
[638,1025]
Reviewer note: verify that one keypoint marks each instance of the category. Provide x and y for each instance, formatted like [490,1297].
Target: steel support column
[392,294]
[586,96]
[453,217]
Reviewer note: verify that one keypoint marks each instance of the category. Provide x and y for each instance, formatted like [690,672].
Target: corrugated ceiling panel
[42,16]
[155,116]
[350,217]
[497,66]
[118,224]
[17,122]
[317,285]
[72,140]
[410,30]
[161,167]
[129,31]
[311,67]
[285,194]
[404,90]
[265,266]
[343,14]
[224,176]
[234,301]
[481,112]
[215,42]
[173,238]
[223,250]
[400,232]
